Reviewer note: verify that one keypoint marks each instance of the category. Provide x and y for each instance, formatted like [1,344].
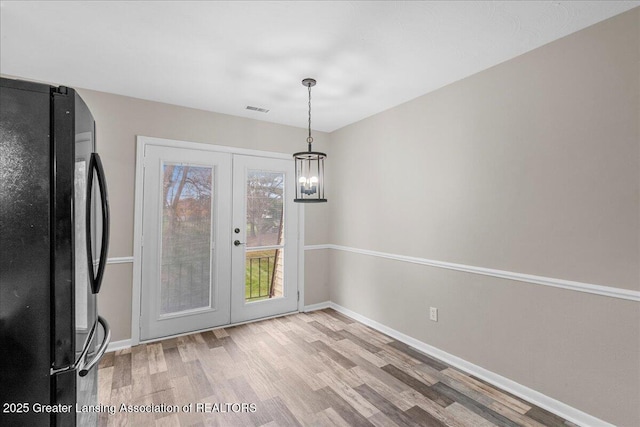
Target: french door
[219,240]
[264,252]
[185,252]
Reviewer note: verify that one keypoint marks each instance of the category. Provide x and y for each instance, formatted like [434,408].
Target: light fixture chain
[309,87]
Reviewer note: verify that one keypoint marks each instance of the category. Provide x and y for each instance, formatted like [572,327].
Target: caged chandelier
[309,166]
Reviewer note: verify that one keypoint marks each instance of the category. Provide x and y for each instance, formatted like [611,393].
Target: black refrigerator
[54,236]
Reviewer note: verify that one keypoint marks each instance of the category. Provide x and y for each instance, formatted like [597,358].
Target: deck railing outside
[259,280]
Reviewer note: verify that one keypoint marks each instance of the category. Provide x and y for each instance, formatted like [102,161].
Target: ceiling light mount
[309,82]
[309,166]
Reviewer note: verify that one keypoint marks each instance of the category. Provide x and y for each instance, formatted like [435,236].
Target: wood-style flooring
[309,369]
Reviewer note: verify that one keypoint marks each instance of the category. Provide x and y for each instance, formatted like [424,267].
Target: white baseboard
[118,345]
[552,405]
[318,306]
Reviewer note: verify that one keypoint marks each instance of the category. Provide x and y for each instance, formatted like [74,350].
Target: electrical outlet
[433,314]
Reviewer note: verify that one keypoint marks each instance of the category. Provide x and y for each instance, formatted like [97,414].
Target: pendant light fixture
[309,166]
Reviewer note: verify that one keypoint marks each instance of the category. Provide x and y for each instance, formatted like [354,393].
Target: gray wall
[119,120]
[531,166]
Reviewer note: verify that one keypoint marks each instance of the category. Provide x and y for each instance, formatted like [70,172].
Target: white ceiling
[367,56]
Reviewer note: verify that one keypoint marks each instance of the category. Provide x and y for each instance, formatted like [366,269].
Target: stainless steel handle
[103,347]
[85,350]
[238,243]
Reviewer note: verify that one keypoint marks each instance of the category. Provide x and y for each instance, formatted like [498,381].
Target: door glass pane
[265,192]
[265,222]
[186,238]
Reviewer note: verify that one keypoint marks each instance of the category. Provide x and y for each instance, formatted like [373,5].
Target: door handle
[238,243]
[103,347]
[96,164]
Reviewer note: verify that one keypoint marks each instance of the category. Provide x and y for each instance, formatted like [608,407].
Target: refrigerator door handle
[84,370]
[94,329]
[96,164]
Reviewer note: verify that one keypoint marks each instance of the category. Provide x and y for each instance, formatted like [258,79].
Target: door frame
[141,143]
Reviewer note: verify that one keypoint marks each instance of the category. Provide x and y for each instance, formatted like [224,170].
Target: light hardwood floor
[308,369]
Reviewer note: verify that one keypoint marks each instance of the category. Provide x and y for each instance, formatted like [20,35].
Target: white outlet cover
[433,314]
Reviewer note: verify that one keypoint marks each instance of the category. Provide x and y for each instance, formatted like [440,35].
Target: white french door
[264,255]
[186,233]
[219,240]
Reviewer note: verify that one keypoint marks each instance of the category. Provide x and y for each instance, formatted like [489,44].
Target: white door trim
[150,140]
[141,143]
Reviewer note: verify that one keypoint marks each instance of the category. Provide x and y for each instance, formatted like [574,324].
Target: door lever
[238,243]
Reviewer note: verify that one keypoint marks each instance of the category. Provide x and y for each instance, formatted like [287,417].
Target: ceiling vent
[258,109]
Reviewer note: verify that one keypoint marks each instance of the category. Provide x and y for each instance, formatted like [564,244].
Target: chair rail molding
[120,260]
[607,291]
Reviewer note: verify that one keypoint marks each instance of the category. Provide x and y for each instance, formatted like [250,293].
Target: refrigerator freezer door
[25,256]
